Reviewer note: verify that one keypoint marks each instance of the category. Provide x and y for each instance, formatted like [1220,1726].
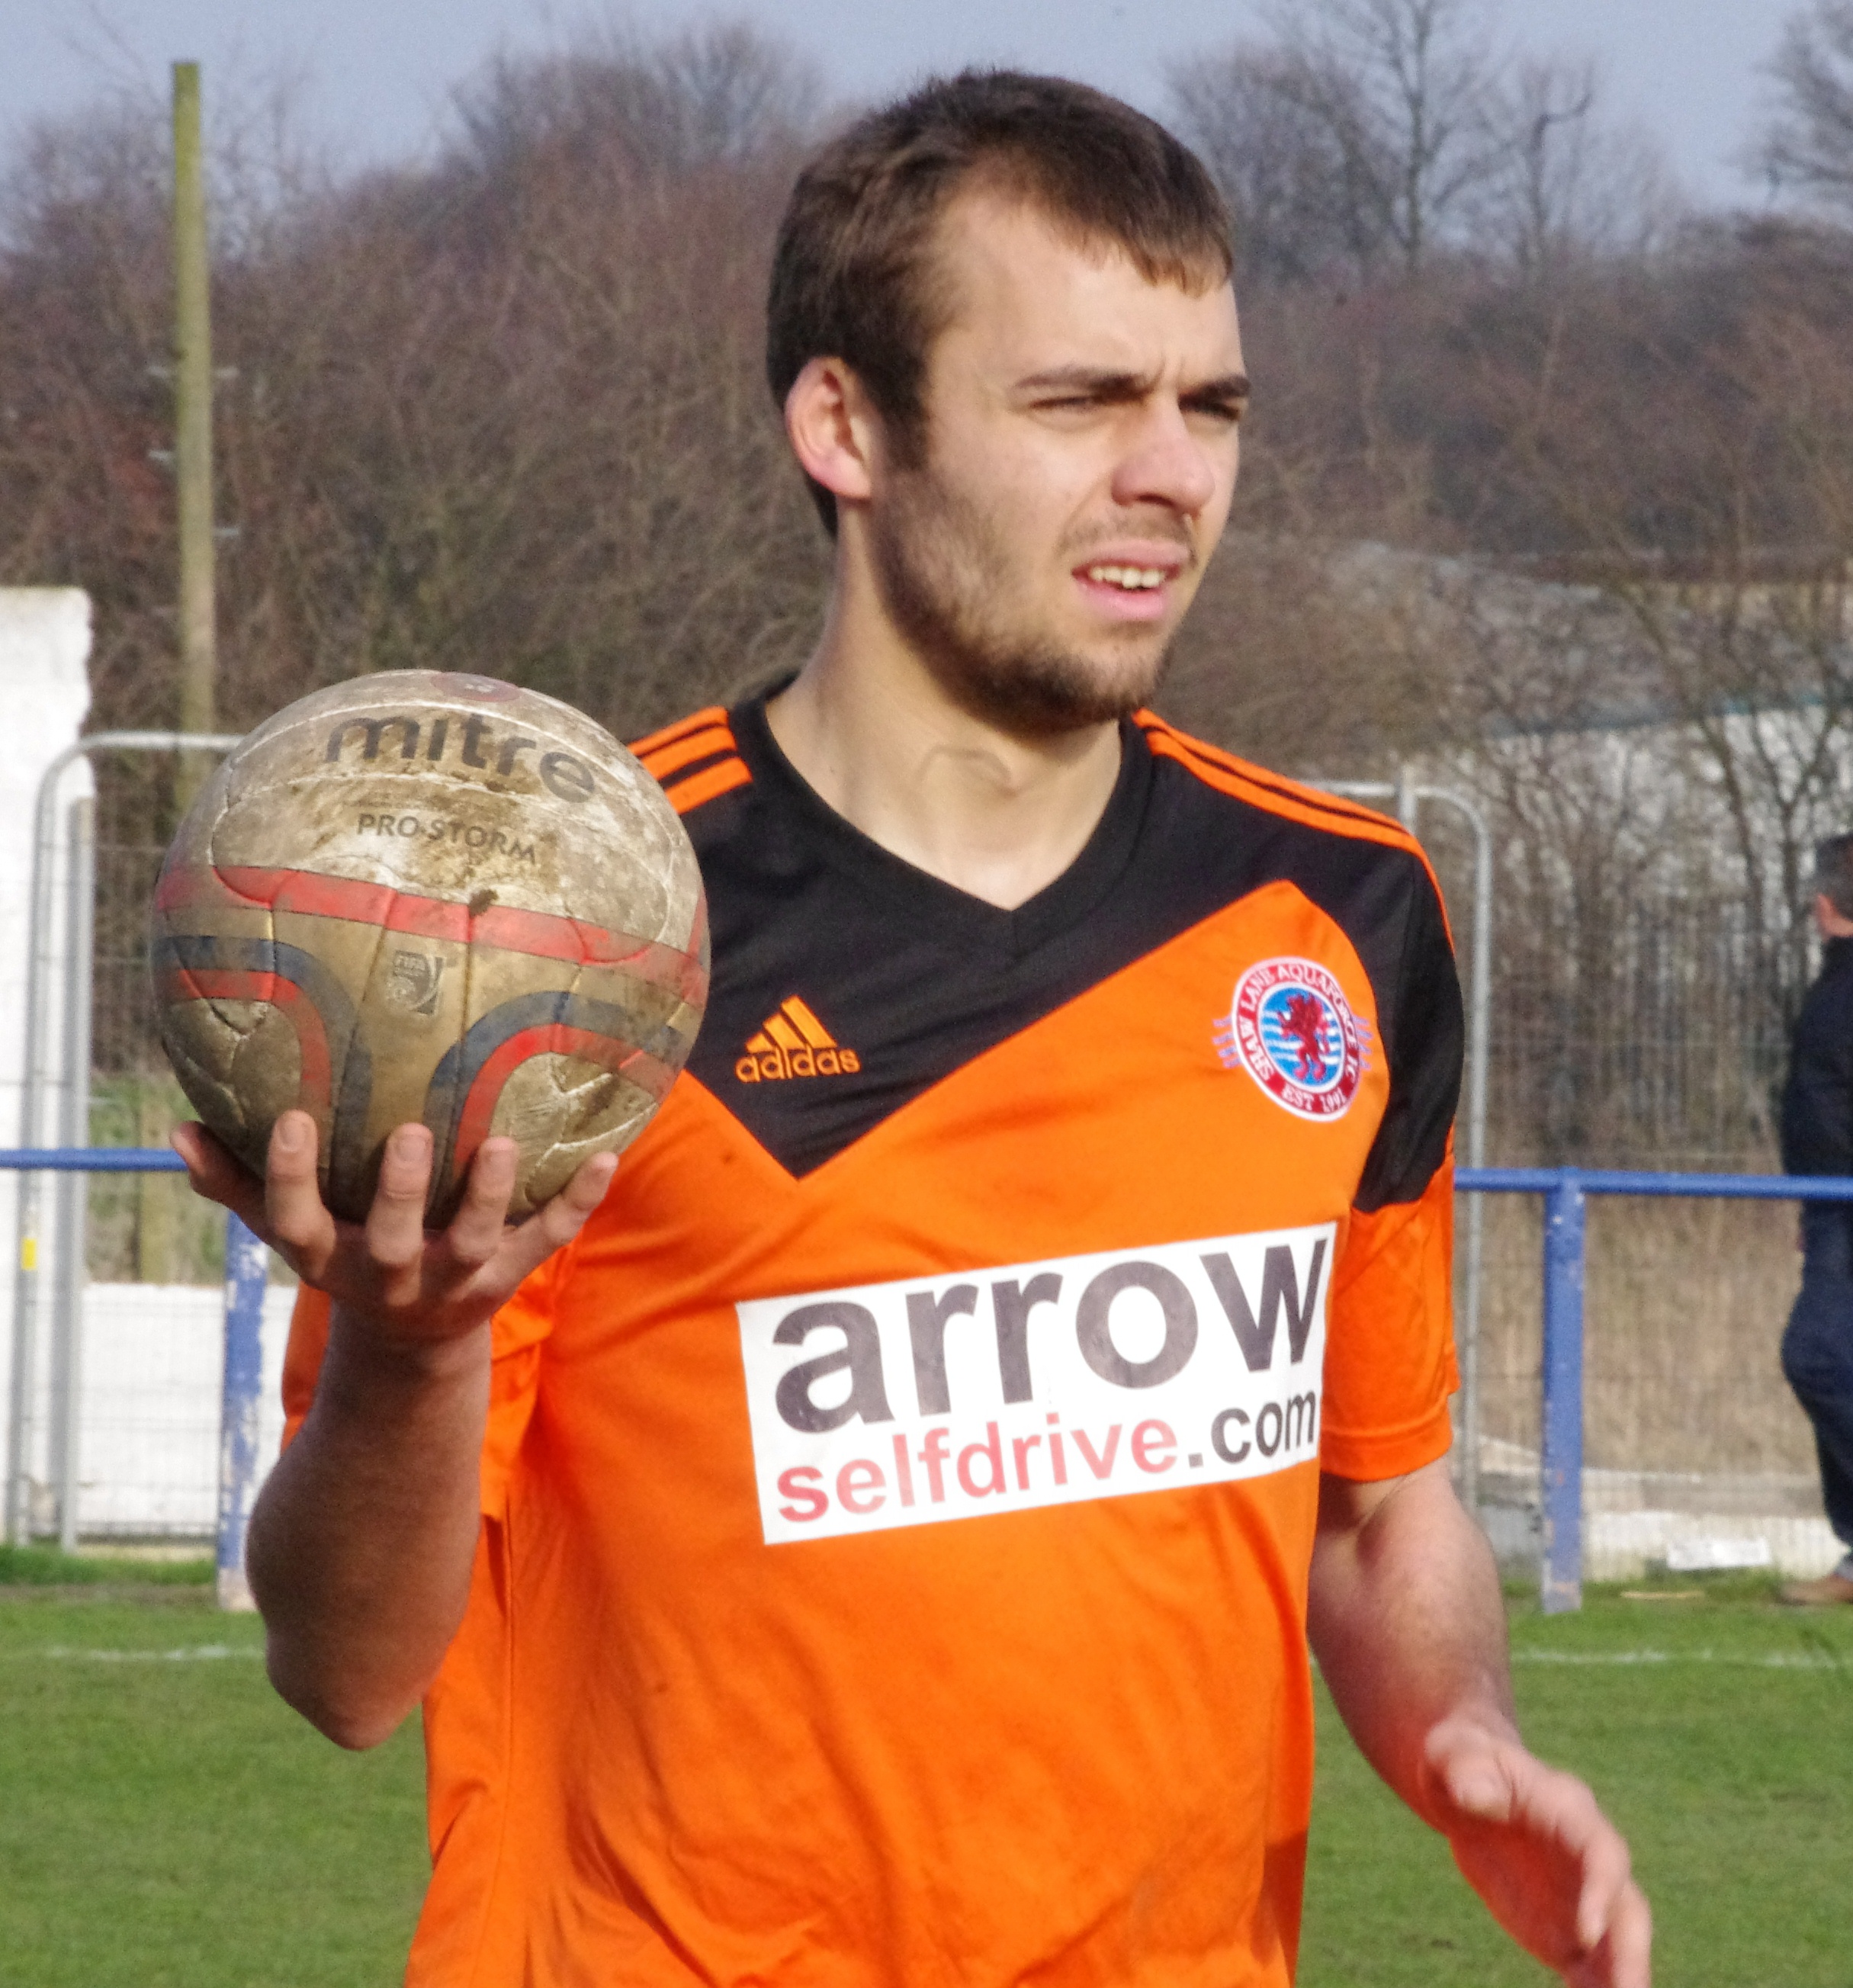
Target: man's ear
[833,429]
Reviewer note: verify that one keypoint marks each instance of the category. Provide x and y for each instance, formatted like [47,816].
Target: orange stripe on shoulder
[690,792]
[715,714]
[1312,806]
[663,760]
[1263,786]
[1228,775]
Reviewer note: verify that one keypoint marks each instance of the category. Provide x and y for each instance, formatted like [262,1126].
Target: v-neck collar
[1061,904]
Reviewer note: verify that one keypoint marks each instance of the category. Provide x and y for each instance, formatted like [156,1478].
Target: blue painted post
[245,1265]
[1561,1585]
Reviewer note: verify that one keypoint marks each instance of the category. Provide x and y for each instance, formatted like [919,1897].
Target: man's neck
[998,817]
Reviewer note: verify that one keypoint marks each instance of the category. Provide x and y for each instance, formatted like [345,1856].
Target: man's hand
[412,1285]
[1550,1867]
[1405,1615]
[364,1537]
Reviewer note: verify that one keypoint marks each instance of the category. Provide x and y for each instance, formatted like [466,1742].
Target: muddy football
[423,896]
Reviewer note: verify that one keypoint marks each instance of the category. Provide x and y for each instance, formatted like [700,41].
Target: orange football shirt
[898,1503]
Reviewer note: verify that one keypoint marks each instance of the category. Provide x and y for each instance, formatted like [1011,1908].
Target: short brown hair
[851,276]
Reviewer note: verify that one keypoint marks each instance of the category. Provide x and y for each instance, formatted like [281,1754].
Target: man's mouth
[1132,579]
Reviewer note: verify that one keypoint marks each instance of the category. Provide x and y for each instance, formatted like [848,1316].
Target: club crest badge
[1290,1027]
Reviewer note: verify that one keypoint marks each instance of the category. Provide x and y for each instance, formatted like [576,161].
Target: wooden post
[193,433]
[154,1197]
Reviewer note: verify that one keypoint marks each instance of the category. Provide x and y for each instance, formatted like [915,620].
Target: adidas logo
[793,1043]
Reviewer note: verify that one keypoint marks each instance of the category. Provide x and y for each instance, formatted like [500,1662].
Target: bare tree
[1320,661]
[1320,147]
[83,314]
[1401,87]
[1561,182]
[507,411]
[1808,147]
[1716,514]
[504,411]
[534,432]
[1547,156]
[1302,202]
[715,96]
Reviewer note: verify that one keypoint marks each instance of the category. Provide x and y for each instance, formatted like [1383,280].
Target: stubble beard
[945,580]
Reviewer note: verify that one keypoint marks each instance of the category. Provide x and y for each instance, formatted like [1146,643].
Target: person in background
[1817,1138]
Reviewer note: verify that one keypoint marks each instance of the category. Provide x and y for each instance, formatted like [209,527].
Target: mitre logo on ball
[424,897]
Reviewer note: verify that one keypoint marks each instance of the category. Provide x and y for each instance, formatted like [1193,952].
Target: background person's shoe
[1822,1593]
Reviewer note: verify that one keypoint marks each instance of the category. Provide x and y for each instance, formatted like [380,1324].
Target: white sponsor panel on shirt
[978,1391]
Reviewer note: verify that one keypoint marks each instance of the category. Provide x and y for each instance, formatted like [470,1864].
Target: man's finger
[567,1212]
[1631,1939]
[299,1222]
[476,1232]
[395,1222]
[1623,1957]
[557,1220]
[1607,1876]
[215,1175]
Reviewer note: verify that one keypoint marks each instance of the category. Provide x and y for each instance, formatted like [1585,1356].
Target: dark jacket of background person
[1817,1138]
[1817,1100]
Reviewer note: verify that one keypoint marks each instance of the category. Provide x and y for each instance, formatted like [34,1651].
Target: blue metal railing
[1566,1190]
[241,1407]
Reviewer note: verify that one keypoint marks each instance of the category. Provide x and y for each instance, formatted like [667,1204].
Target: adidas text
[776,1062]
[793,1043]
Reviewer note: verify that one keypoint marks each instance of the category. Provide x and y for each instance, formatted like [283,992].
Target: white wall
[44,646]
[154,1366]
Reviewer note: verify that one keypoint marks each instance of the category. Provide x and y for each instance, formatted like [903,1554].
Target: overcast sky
[378,74]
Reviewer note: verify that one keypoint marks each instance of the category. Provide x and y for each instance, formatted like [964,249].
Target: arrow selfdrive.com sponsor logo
[930,1398]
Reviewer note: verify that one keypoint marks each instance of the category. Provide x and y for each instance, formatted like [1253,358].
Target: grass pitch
[165,1823]
[1717,1730]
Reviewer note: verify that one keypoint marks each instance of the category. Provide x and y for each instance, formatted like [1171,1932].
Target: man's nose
[1164,463]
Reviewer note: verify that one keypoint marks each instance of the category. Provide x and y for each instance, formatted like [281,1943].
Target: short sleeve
[521,1328]
[303,1357]
[1390,1364]
[1389,1361]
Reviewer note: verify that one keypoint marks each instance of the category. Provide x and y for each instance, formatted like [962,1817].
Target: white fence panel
[154,1364]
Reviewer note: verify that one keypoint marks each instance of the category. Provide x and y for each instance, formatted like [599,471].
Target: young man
[1817,1138]
[877,1544]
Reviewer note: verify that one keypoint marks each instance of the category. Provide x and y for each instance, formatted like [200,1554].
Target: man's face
[1080,454]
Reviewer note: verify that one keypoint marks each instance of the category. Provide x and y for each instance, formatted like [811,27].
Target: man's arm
[1406,1619]
[362,1544]
[1817,1124]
